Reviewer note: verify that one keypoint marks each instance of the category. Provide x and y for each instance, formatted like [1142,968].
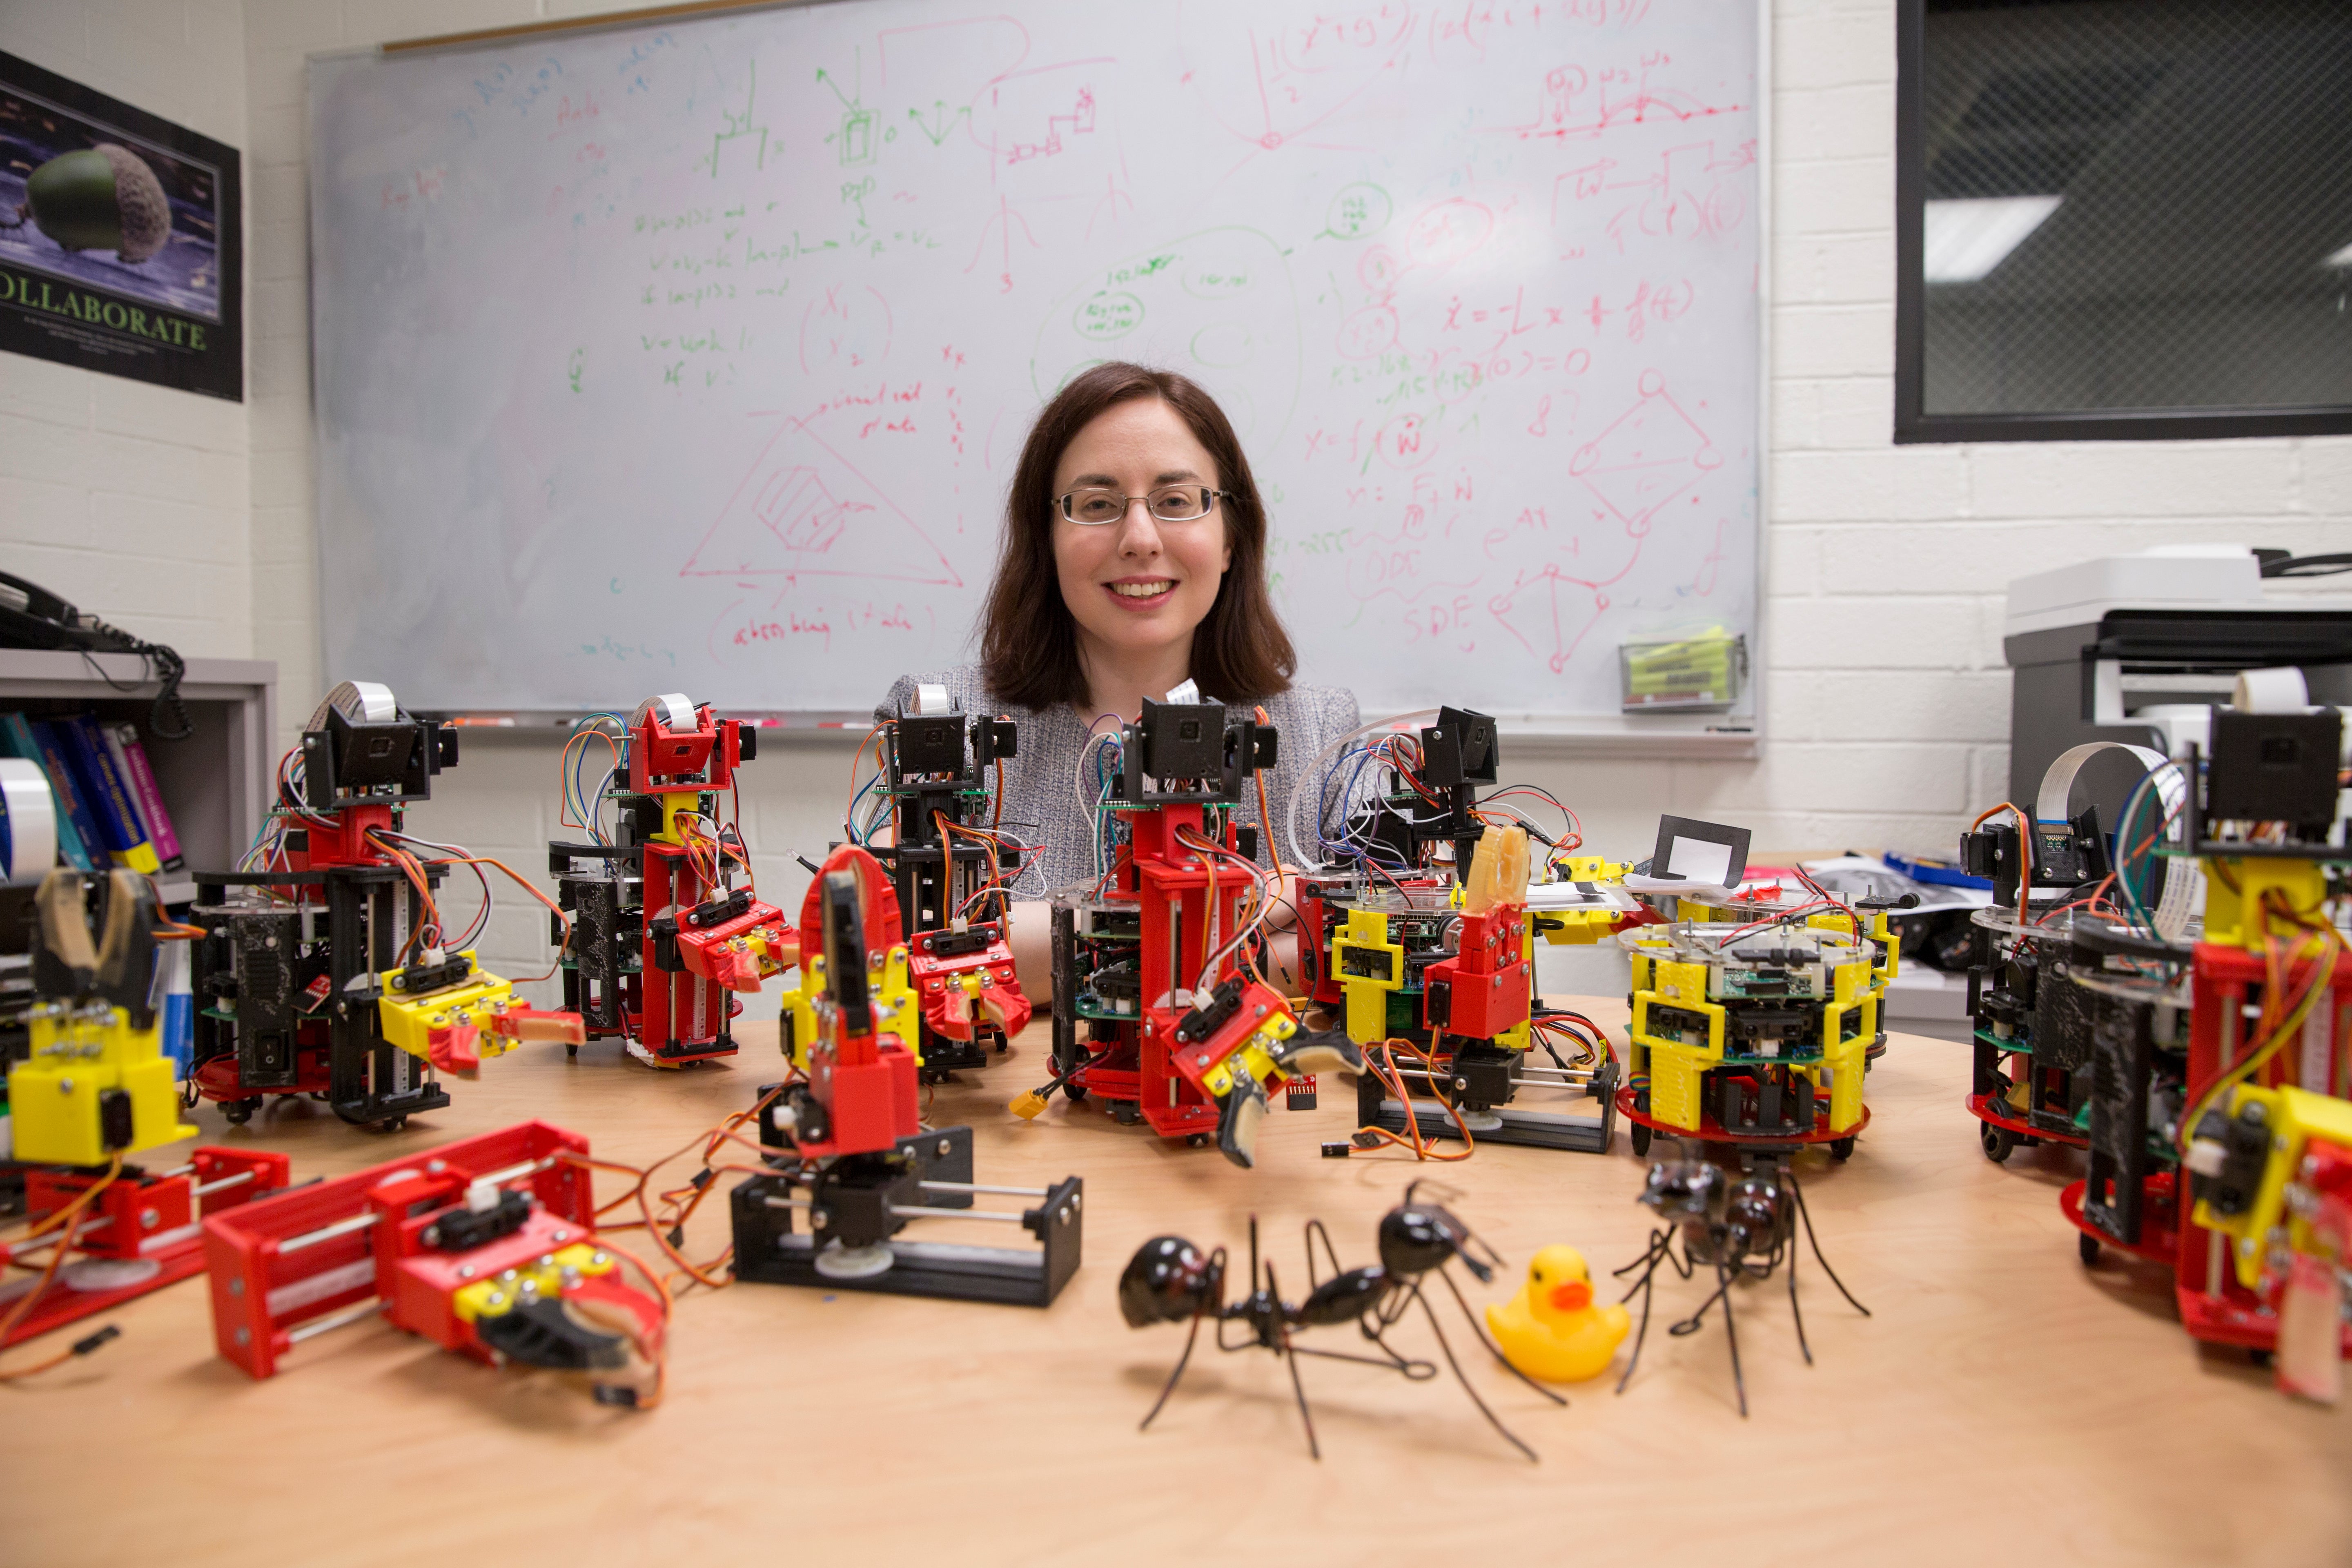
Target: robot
[661,936]
[934,782]
[2270,1172]
[1155,1010]
[327,973]
[2222,1065]
[844,1142]
[1754,1008]
[1433,991]
[2033,1011]
[487,1246]
[95,1089]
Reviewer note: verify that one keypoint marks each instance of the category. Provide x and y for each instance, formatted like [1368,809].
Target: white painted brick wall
[1887,696]
[127,499]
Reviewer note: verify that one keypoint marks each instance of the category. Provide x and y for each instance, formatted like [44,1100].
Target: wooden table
[2002,1403]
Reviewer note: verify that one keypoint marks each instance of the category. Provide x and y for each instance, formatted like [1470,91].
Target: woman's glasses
[1169,503]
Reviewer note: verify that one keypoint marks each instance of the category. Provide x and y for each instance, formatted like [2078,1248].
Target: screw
[562,1235]
[236,1287]
[945,1146]
[819,1219]
[148,1219]
[244,1336]
[464,1271]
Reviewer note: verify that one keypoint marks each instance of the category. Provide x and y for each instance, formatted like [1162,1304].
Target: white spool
[362,701]
[676,710]
[2281,690]
[28,822]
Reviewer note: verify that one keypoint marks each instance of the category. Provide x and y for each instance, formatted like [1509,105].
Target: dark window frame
[1913,426]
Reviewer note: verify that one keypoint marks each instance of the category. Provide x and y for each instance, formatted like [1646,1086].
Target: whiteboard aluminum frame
[1693,737]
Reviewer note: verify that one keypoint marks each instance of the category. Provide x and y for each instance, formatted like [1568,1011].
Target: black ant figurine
[1742,1229]
[1169,1279]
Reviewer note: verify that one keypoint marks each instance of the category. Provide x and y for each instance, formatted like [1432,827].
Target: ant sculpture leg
[1374,1324]
[1731,1335]
[1217,1264]
[1726,1274]
[1289,1354]
[1492,1348]
[1169,1387]
[1492,1419]
[1814,1242]
[1797,1313]
[1660,1250]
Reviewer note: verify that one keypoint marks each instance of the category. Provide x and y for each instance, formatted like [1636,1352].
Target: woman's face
[1137,585]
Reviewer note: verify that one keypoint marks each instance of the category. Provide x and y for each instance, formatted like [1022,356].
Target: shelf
[215,782]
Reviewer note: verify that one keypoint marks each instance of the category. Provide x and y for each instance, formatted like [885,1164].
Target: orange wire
[410,866]
[2024,852]
[1384,1067]
[24,1304]
[557,909]
[658,1355]
[854,758]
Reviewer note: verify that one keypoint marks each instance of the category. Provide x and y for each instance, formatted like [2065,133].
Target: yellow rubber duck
[1550,1330]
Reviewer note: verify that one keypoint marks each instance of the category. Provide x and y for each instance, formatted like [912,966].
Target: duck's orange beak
[1572,1296]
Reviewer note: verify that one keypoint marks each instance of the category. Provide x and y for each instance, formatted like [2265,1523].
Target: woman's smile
[1141,592]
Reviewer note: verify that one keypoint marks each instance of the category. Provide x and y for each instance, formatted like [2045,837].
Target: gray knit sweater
[1042,803]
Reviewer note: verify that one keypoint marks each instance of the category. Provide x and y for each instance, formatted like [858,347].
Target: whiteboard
[698,356]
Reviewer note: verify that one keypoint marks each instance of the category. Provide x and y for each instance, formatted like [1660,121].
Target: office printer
[2137,648]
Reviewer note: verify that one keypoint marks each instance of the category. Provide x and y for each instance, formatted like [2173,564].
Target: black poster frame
[93,314]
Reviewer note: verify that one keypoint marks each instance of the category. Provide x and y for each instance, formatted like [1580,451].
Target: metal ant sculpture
[1169,1280]
[1743,1228]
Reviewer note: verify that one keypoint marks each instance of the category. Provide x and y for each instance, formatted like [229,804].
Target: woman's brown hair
[1029,639]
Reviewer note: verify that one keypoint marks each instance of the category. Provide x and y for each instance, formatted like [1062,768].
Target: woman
[1133,560]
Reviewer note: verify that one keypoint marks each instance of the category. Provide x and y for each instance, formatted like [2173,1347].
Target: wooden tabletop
[2000,1403]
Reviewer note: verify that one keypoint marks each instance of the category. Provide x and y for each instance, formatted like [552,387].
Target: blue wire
[1349,842]
[851,824]
[1323,844]
[2124,828]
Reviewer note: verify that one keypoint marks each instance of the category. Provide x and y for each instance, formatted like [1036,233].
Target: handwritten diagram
[1649,455]
[803,510]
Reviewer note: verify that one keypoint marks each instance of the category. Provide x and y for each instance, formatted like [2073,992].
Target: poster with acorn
[121,237]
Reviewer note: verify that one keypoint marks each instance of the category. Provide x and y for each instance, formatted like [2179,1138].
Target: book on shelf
[122,743]
[78,839]
[108,794]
